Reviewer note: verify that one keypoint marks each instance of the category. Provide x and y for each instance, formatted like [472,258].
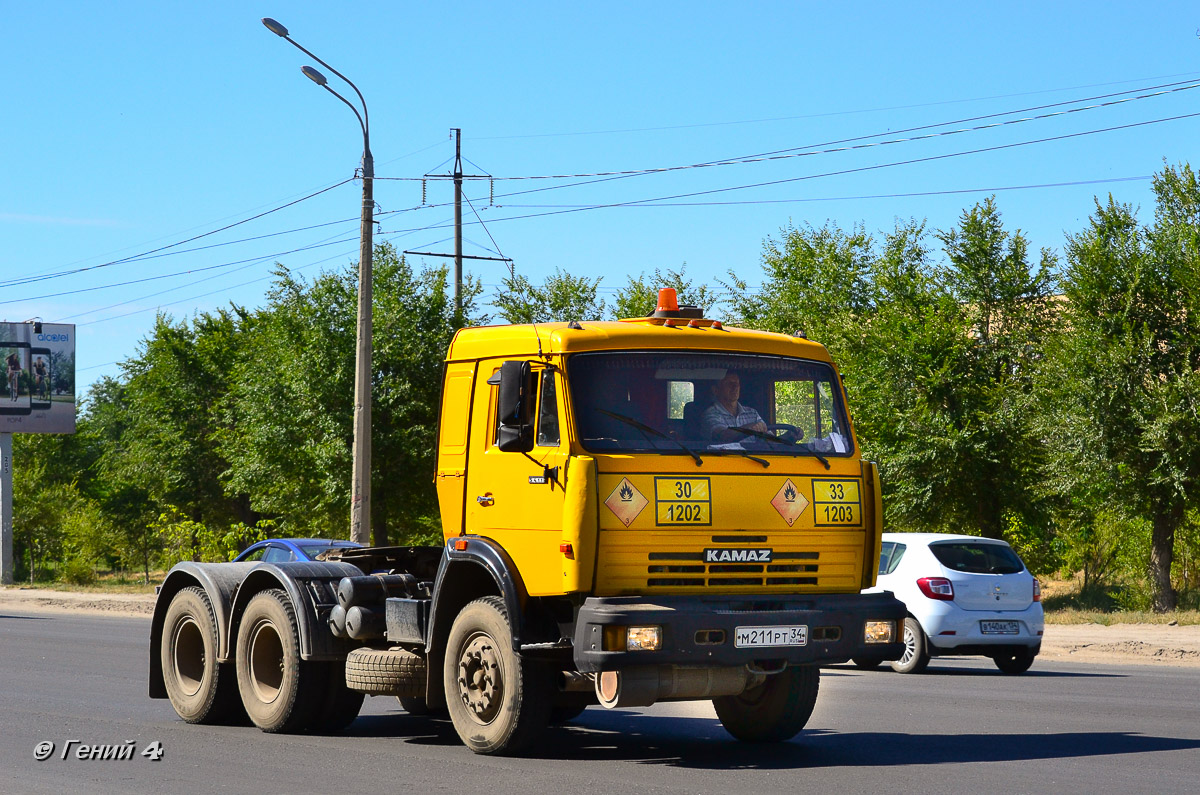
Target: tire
[386,672]
[916,649]
[498,701]
[414,705]
[867,663]
[341,705]
[1014,662]
[774,711]
[281,692]
[200,689]
[565,713]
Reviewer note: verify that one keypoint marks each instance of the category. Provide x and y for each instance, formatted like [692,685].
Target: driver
[726,412]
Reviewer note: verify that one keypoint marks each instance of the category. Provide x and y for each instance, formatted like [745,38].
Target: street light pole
[360,482]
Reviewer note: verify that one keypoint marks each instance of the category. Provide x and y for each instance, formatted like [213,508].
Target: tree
[638,298]
[1123,403]
[289,420]
[1006,308]
[173,406]
[561,297]
[937,360]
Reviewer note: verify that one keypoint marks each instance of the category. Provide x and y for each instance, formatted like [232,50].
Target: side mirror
[517,390]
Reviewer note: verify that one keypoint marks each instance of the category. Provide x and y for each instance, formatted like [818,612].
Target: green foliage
[939,361]
[561,297]
[294,463]
[1122,403]
[639,297]
[78,571]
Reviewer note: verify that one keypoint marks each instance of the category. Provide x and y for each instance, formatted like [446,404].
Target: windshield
[707,402]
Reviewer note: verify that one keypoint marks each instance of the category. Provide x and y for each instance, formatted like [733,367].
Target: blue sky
[135,125]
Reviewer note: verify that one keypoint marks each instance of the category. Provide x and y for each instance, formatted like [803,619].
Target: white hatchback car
[965,596]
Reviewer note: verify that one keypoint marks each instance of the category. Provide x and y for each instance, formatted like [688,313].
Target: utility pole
[360,477]
[458,249]
[6,526]
[458,255]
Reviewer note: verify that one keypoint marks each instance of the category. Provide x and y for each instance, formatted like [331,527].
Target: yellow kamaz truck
[655,509]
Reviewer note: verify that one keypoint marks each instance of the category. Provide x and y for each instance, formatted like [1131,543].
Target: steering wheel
[790,434]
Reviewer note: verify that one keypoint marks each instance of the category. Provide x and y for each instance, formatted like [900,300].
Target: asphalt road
[962,727]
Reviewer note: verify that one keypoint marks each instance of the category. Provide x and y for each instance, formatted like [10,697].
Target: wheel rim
[910,646]
[481,678]
[188,656]
[266,662]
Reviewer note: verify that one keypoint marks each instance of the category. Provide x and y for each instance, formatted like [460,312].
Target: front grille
[636,562]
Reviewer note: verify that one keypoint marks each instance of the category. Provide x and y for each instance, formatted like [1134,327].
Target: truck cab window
[547,423]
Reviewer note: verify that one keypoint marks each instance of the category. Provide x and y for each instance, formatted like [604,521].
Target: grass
[106,582]
[1067,602]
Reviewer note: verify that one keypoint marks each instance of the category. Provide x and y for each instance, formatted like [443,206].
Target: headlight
[880,631]
[644,639]
[618,638]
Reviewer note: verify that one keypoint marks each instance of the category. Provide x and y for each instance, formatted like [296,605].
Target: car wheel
[916,649]
[281,692]
[1014,662]
[867,663]
[774,711]
[498,701]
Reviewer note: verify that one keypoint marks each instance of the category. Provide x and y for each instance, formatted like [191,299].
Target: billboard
[38,362]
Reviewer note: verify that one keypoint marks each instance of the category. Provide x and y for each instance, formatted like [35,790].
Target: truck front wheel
[281,692]
[774,711]
[201,689]
[499,702]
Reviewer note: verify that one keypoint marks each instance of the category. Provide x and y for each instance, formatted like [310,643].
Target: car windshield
[977,558]
[658,401]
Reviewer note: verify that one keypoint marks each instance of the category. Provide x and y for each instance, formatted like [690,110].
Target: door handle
[486,499]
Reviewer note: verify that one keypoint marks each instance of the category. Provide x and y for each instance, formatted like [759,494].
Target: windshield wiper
[644,428]
[768,437]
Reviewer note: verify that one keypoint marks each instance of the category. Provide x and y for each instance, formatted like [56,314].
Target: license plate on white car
[761,637]
[999,627]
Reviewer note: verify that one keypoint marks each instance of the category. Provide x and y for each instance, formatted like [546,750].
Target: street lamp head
[275,27]
[314,75]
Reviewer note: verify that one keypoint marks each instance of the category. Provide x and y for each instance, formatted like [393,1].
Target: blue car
[283,550]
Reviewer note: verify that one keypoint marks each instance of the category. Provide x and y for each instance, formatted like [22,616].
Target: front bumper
[692,625]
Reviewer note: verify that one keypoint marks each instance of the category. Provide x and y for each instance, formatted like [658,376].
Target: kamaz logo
[737,556]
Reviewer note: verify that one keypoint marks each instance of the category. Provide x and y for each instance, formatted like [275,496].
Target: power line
[23,280]
[859,197]
[213,292]
[800,151]
[170,275]
[829,113]
[842,172]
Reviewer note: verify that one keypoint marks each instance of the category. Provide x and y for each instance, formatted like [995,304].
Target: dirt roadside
[1119,644]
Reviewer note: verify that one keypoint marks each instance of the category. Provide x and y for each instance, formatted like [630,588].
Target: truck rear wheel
[201,689]
[341,705]
[774,711]
[498,701]
[281,692]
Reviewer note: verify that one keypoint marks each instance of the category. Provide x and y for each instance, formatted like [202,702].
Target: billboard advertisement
[38,362]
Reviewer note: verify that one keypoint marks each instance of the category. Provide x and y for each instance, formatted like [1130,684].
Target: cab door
[516,499]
